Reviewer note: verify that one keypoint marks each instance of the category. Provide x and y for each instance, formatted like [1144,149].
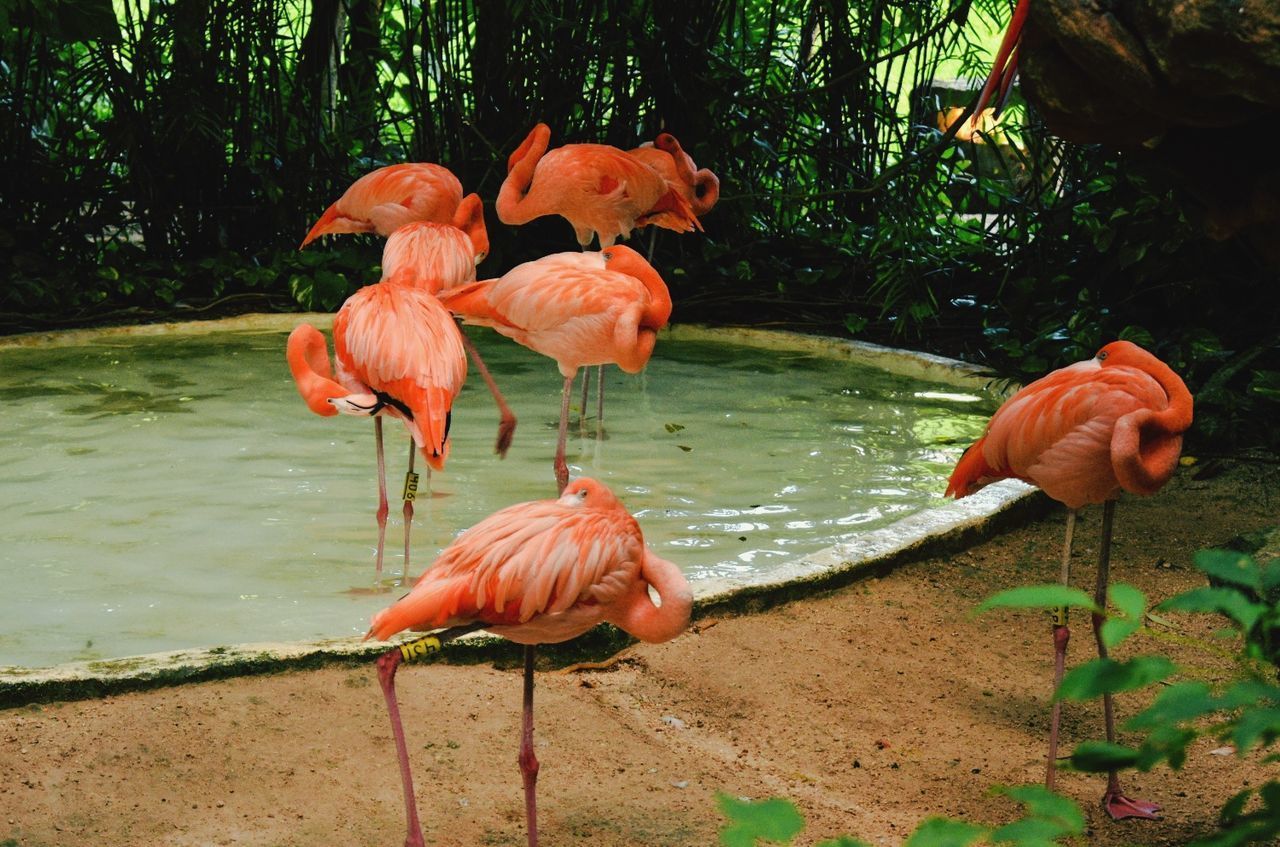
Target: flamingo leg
[1061,635]
[1001,73]
[1114,801]
[507,418]
[410,493]
[528,761]
[586,395]
[387,664]
[560,465]
[382,498]
[600,402]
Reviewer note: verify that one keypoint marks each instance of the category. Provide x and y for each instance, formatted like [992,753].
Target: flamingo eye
[582,494]
[607,255]
[1102,354]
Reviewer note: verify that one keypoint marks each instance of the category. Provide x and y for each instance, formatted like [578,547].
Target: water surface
[173,491]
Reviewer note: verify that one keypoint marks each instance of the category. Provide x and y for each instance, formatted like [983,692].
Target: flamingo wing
[526,561]
[401,342]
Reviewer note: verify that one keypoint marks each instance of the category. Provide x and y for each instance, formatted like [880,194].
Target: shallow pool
[173,491]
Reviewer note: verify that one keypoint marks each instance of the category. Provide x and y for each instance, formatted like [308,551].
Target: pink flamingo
[540,572]
[579,309]
[1082,434]
[399,351]
[384,200]
[601,190]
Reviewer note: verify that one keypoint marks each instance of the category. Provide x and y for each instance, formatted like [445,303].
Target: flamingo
[579,309]
[384,200]
[539,572]
[399,351]
[601,190]
[1082,434]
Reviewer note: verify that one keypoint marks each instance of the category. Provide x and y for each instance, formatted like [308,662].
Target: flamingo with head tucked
[384,200]
[1083,434]
[579,309]
[540,572]
[601,190]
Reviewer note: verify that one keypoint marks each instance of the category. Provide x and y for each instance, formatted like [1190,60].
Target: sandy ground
[872,707]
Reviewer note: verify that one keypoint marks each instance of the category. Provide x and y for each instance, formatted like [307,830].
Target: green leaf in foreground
[1099,756]
[944,832]
[1230,566]
[1226,601]
[1048,817]
[774,820]
[1038,597]
[843,841]
[1107,676]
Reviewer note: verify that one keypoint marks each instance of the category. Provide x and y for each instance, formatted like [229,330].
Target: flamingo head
[587,493]
[1123,353]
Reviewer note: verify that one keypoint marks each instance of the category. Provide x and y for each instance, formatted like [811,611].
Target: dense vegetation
[164,158]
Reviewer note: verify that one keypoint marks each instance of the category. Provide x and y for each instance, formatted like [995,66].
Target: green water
[168,492]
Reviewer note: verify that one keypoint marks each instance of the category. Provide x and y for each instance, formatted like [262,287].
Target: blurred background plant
[162,159]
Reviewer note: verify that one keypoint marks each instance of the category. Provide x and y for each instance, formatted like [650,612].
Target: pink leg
[560,465]
[1114,801]
[1061,635]
[528,761]
[382,498]
[408,511]
[586,395]
[387,664]
[507,418]
[600,402]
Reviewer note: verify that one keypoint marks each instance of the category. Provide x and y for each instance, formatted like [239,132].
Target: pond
[171,490]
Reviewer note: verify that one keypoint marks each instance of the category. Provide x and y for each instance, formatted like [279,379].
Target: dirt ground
[871,707]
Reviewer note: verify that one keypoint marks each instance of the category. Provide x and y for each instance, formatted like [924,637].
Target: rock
[1192,87]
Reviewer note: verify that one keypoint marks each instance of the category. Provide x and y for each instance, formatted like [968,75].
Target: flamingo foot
[506,432]
[1119,806]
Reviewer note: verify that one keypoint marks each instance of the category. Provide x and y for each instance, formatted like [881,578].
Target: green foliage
[1245,711]
[775,821]
[1047,819]
[143,139]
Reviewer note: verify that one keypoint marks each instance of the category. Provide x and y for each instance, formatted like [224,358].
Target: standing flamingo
[399,351]
[1082,433]
[601,190]
[540,572]
[384,200]
[579,309]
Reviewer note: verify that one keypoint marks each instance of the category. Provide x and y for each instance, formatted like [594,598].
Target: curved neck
[308,358]
[520,169]
[706,191]
[658,312]
[1146,444]
[651,623]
